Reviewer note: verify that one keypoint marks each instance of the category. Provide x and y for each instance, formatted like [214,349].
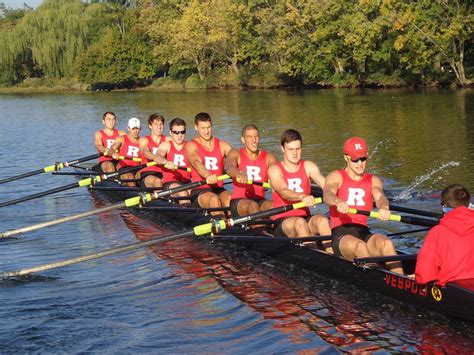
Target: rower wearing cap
[105,138]
[172,156]
[353,187]
[206,156]
[249,163]
[290,181]
[126,148]
[152,176]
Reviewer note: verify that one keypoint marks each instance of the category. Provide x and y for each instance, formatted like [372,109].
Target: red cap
[356,148]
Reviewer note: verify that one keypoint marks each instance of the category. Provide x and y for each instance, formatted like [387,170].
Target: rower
[206,156]
[249,163]
[290,181]
[152,176]
[353,187]
[171,155]
[127,147]
[447,253]
[104,139]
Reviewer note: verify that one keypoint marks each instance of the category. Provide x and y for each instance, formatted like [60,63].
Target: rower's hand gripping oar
[426,222]
[203,229]
[141,199]
[82,183]
[51,168]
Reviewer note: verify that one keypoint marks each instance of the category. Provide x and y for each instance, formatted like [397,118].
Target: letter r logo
[253,173]
[356,197]
[295,185]
[132,151]
[358,146]
[178,160]
[210,163]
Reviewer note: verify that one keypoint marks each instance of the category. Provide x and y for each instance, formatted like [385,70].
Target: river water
[189,296]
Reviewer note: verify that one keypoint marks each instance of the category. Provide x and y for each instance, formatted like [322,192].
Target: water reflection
[305,307]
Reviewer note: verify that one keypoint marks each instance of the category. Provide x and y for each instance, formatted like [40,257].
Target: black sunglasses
[179,132]
[359,159]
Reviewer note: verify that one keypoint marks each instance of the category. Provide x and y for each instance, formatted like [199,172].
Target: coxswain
[354,187]
[104,139]
[447,253]
[172,157]
[291,182]
[127,151]
[206,155]
[249,164]
[152,176]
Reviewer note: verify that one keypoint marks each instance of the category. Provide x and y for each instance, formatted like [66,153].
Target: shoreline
[180,87]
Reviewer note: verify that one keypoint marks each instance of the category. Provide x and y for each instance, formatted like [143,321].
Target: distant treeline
[239,43]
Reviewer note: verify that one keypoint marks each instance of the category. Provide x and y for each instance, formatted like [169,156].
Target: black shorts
[357,230]
[144,174]
[278,225]
[234,202]
[166,185]
[196,192]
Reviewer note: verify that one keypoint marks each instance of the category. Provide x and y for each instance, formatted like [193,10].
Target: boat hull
[456,299]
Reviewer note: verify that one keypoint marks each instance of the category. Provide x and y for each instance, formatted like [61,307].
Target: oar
[415,211]
[317,191]
[270,239]
[75,173]
[82,183]
[51,168]
[383,259]
[259,183]
[398,218]
[203,229]
[130,202]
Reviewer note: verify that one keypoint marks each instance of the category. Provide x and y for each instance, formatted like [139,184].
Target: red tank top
[298,182]
[153,146]
[357,194]
[107,142]
[178,158]
[129,149]
[212,160]
[257,170]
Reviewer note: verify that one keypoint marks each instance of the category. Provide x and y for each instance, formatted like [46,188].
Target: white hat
[133,123]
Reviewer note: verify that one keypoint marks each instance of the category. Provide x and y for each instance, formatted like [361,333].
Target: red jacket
[448,251]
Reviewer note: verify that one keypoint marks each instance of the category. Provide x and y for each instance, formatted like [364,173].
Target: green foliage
[114,62]
[221,43]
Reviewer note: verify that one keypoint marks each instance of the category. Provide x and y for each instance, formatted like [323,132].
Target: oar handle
[122,157]
[426,222]
[259,183]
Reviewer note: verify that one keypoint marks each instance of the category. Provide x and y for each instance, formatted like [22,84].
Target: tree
[55,34]
[431,33]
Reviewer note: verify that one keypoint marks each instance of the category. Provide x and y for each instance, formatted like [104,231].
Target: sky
[15,4]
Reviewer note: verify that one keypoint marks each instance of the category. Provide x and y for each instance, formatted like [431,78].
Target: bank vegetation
[175,44]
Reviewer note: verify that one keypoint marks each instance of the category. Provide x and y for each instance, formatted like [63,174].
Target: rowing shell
[456,299]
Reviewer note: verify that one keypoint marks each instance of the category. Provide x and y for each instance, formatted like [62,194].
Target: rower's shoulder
[121,132]
[271,158]
[274,169]
[334,175]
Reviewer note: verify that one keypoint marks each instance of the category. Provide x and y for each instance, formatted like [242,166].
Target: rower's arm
[280,186]
[232,166]
[98,142]
[381,201]
[161,153]
[144,149]
[333,182]
[315,174]
[194,160]
[225,148]
[115,148]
